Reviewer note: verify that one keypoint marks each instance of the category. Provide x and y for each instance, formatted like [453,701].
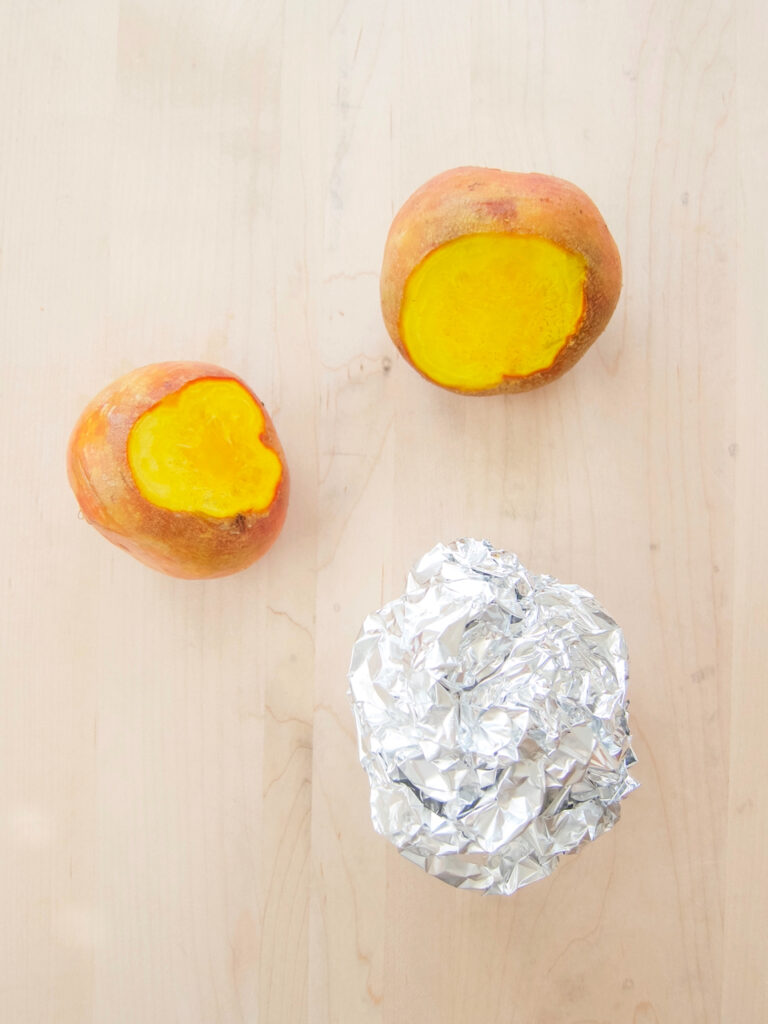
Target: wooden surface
[184,832]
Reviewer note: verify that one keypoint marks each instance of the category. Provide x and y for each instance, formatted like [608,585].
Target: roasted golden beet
[179,464]
[494,281]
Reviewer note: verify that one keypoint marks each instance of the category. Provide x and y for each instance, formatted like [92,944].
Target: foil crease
[491,712]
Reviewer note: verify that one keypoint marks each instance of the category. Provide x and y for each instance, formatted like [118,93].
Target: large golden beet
[494,281]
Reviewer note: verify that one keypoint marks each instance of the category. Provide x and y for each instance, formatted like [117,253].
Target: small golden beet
[497,282]
[179,464]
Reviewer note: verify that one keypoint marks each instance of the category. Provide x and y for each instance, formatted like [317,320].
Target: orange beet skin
[184,544]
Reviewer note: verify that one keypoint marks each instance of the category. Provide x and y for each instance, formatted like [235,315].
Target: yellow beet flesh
[487,306]
[199,450]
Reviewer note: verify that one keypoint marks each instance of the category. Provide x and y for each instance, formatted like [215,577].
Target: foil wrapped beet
[491,710]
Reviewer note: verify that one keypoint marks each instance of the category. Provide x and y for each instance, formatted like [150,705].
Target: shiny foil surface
[491,711]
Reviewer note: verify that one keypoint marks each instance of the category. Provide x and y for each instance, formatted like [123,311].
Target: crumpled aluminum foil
[492,718]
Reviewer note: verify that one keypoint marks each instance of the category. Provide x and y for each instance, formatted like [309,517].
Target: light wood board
[184,831]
